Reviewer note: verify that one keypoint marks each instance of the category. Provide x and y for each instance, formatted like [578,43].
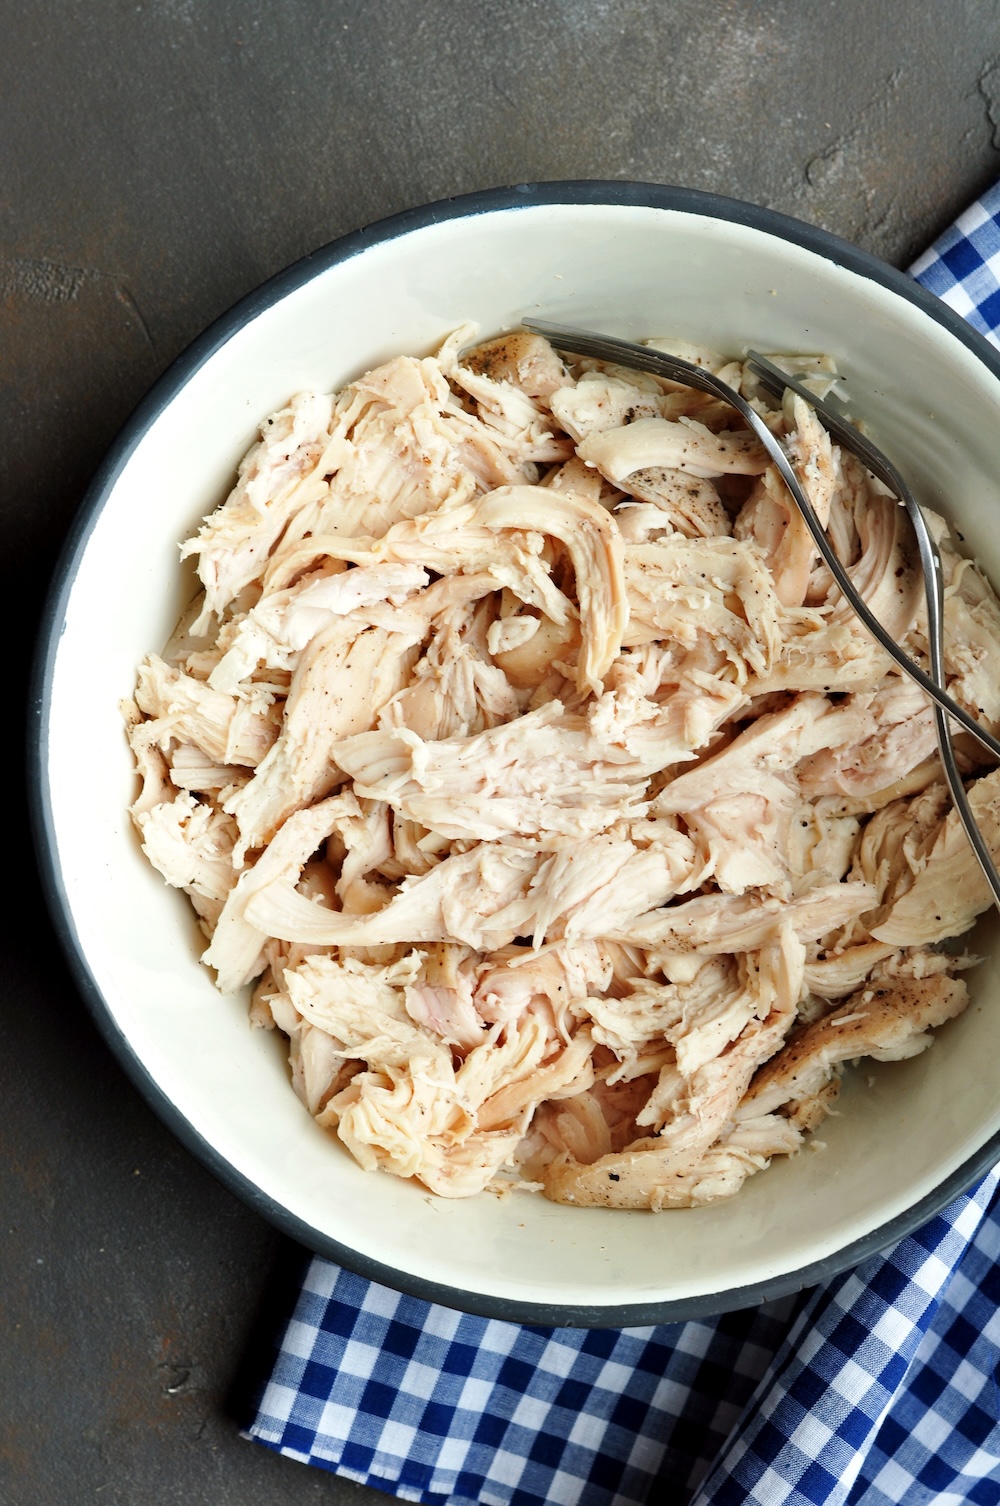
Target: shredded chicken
[524,757]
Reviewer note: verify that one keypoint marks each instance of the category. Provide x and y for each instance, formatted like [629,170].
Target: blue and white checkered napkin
[876,1388]
[963,266]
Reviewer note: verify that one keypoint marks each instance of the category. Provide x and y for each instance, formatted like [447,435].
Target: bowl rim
[598,193]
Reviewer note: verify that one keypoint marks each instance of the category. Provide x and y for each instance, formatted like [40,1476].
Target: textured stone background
[159,160]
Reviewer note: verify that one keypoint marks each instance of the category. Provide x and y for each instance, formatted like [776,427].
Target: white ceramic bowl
[632,260]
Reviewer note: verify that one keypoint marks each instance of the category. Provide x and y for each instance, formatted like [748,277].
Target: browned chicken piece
[888,1021]
[527,361]
[646,1177]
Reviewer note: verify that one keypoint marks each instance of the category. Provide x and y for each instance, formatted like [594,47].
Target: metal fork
[775,381]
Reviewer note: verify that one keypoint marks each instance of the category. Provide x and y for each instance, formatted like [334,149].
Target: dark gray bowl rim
[517,196]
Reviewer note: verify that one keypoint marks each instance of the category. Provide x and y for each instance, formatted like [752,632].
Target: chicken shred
[523,755]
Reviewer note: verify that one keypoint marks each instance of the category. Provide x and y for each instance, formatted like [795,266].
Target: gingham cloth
[878,1387]
[963,266]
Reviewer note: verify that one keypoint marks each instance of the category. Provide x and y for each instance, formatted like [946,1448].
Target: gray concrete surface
[159,159]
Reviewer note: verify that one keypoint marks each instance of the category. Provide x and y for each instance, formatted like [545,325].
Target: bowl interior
[632,270]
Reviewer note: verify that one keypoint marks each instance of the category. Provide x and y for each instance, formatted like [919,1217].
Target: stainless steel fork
[776,381]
